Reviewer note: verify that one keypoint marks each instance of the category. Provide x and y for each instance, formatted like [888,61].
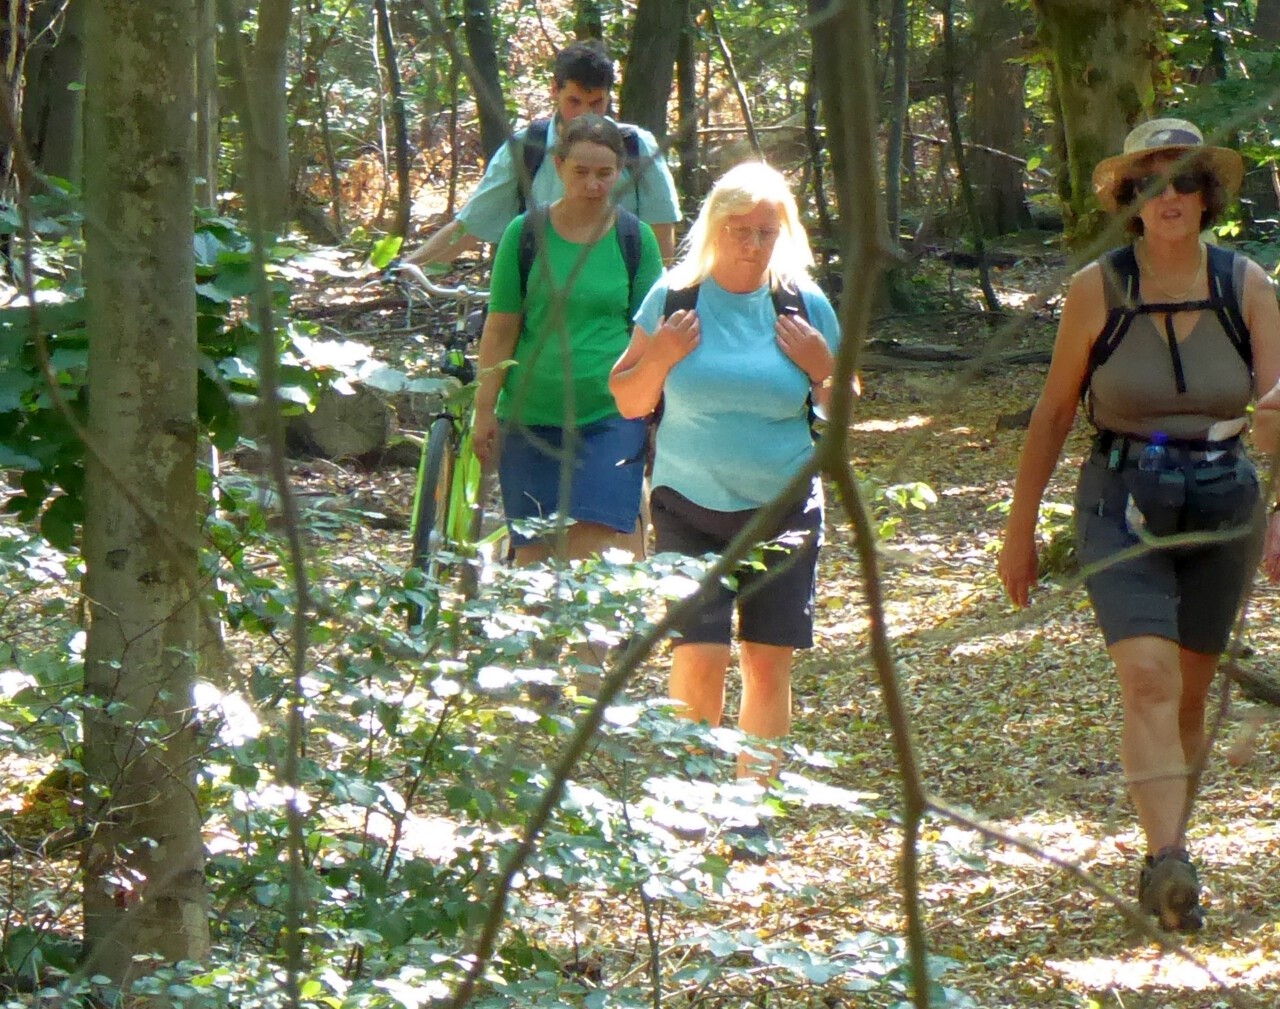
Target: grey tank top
[1135,391]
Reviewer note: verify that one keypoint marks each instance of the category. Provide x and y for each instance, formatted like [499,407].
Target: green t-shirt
[583,305]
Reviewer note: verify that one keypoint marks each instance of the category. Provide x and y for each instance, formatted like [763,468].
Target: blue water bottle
[1155,457]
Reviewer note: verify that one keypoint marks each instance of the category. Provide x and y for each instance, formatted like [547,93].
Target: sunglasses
[1184,184]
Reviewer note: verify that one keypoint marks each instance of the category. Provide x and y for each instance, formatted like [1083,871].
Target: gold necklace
[1171,296]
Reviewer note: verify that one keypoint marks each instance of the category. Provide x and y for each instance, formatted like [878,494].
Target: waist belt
[1121,449]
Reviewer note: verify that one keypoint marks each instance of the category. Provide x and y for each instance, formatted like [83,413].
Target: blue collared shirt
[496,201]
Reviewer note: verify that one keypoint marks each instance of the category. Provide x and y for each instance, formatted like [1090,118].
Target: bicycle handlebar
[414,276]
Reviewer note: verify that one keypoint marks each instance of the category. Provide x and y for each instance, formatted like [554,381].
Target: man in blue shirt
[582,77]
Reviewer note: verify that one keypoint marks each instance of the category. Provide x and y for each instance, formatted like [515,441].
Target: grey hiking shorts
[1187,594]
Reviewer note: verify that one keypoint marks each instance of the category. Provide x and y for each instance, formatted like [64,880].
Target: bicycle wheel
[431,499]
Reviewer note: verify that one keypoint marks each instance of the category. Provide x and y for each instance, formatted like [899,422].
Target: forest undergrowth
[1017,722]
[1015,719]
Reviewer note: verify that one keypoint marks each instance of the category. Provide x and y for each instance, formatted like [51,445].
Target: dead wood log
[1255,684]
[895,361]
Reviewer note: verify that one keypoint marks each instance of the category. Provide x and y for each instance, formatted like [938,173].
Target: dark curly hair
[586,63]
[1214,193]
[591,129]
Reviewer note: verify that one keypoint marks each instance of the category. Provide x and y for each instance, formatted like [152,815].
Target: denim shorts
[606,473]
[775,603]
[1187,594]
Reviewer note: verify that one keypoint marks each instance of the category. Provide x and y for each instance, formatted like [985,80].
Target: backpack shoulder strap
[532,231]
[787,300]
[1227,301]
[627,227]
[1120,280]
[684,298]
[636,163]
[630,140]
[533,150]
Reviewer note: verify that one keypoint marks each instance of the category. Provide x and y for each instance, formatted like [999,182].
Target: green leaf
[214,293]
[58,523]
[294,394]
[384,251]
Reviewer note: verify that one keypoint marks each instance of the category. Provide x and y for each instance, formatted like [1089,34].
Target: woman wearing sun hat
[1167,341]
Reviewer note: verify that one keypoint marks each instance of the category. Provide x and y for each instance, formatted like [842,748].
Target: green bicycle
[448,518]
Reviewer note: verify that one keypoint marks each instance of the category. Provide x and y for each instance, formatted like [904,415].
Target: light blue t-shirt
[496,201]
[735,425]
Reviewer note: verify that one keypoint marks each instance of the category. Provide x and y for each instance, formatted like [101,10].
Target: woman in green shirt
[563,320]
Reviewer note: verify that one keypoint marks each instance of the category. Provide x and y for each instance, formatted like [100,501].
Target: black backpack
[787,300]
[1223,301]
[626,228]
[533,151]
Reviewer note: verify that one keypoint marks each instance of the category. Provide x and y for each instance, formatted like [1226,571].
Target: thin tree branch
[738,89]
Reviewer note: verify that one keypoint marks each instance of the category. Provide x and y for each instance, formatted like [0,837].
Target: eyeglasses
[1184,183]
[747,235]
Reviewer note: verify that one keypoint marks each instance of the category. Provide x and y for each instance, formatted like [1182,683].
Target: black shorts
[775,603]
[1188,595]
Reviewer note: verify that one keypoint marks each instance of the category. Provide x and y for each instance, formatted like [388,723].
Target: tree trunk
[692,177]
[999,117]
[14,22]
[588,20]
[1260,194]
[895,127]
[144,863]
[266,107]
[655,40]
[206,104]
[52,104]
[1266,22]
[1103,55]
[482,46]
[399,123]
[962,171]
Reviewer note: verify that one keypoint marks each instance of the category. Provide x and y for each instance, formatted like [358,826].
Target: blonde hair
[739,191]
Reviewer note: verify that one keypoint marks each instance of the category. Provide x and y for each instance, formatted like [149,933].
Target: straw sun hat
[1176,136]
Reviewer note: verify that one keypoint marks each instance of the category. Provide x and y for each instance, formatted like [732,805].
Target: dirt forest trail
[1017,722]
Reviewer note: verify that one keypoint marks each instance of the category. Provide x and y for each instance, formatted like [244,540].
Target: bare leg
[766,702]
[1198,671]
[582,540]
[1155,762]
[697,680]
[634,541]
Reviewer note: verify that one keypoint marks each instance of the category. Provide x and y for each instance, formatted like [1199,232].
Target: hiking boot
[749,843]
[1169,888]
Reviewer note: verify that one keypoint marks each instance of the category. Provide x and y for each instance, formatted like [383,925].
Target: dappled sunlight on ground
[890,426]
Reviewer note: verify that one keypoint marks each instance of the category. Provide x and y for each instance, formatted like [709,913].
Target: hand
[1271,548]
[675,337]
[484,436]
[1266,421]
[1018,566]
[806,348]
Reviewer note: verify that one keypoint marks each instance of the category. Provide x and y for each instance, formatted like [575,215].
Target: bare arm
[1083,314]
[666,236]
[444,246]
[1262,316]
[637,378]
[497,344]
